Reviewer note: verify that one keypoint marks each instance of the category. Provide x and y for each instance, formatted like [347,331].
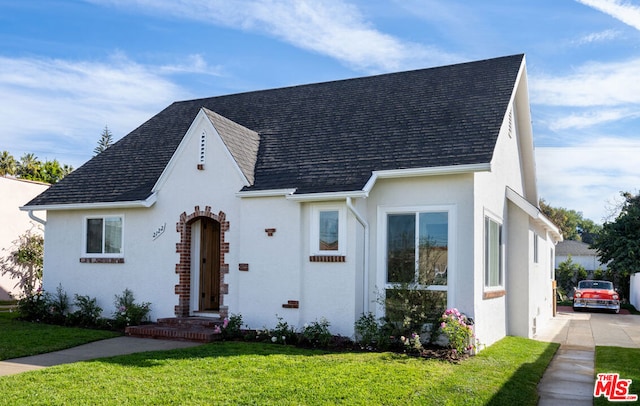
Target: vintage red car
[592,294]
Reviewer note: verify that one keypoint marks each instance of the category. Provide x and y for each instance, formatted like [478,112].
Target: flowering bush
[128,312]
[458,330]
[317,334]
[231,327]
[283,333]
[412,343]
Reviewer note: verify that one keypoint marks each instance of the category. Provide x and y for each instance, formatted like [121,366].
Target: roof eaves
[415,172]
[148,202]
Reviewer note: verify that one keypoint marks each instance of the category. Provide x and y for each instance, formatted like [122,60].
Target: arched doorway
[202,267]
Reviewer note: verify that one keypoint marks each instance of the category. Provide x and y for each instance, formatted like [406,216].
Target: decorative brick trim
[200,167]
[102,260]
[183,268]
[243,267]
[327,258]
[291,304]
[494,294]
[270,231]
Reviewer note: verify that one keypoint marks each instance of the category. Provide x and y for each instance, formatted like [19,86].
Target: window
[492,253]
[417,248]
[104,236]
[328,228]
[535,248]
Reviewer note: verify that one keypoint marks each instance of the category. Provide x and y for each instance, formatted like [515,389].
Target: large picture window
[492,253]
[418,248]
[104,235]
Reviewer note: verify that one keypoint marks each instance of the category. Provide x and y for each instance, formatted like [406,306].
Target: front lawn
[624,361]
[20,339]
[257,373]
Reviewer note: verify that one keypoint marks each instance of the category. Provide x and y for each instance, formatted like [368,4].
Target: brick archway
[183,268]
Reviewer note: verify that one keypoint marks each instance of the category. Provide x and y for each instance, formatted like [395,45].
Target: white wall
[634,290]
[589,262]
[14,223]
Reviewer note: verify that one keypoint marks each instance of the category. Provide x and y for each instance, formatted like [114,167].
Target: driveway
[589,329]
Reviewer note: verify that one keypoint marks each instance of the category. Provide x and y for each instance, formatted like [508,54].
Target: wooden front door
[209,265]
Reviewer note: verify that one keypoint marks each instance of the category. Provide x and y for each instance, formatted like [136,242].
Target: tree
[105,141]
[570,222]
[29,167]
[25,262]
[8,164]
[618,244]
[568,275]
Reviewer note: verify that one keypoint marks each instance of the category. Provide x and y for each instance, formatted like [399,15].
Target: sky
[70,68]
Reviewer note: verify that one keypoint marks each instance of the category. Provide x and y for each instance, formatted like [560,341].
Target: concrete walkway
[98,349]
[570,378]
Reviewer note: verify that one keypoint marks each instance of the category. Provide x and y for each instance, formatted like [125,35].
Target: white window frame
[314,246]
[501,256]
[102,254]
[381,279]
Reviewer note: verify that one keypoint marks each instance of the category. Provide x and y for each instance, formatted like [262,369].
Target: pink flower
[217,330]
[225,323]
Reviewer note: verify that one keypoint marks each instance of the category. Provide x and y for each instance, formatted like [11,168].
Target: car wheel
[576,309]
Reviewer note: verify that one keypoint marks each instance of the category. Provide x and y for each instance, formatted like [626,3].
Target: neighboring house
[311,201]
[14,223]
[580,254]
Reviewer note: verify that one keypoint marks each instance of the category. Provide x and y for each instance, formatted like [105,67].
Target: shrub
[128,312]
[317,334]
[59,306]
[458,330]
[88,312]
[283,333]
[367,331]
[232,327]
[35,307]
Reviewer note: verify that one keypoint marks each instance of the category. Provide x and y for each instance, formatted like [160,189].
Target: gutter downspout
[365,278]
[35,218]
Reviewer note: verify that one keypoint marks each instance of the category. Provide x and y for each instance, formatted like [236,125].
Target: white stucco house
[311,201]
[581,253]
[14,223]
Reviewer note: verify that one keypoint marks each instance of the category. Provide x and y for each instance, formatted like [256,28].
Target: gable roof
[318,138]
[575,248]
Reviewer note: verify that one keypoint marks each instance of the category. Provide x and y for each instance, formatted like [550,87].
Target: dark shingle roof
[324,137]
[575,248]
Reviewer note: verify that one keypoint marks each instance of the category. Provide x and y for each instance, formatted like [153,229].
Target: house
[14,193]
[313,201]
[581,253]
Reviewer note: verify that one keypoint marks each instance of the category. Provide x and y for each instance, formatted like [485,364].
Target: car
[594,294]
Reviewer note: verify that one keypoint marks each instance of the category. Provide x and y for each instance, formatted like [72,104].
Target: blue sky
[68,68]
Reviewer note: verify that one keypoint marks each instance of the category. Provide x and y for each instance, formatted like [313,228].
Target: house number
[159,231]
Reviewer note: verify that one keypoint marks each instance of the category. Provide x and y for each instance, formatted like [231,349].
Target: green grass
[256,373]
[624,361]
[19,339]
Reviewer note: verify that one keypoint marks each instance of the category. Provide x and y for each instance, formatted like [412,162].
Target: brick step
[186,322]
[197,333]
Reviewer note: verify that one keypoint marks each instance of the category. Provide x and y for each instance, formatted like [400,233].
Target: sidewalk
[98,349]
[570,377]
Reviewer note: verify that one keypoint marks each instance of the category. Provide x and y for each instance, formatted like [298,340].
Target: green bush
[283,333]
[316,334]
[128,312]
[232,327]
[59,307]
[35,307]
[88,312]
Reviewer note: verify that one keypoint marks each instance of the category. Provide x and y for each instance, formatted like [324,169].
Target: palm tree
[7,164]
[29,166]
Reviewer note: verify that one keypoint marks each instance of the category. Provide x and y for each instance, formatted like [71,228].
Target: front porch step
[198,329]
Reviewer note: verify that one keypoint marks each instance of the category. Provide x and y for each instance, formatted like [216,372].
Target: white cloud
[332,27]
[590,176]
[602,36]
[620,10]
[591,118]
[593,84]
[57,108]
[194,64]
